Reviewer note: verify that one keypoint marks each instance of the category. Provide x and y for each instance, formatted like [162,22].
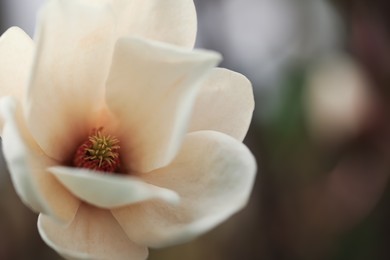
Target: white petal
[109,191]
[213,174]
[16,52]
[225,104]
[74,50]
[169,21]
[151,90]
[27,165]
[93,234]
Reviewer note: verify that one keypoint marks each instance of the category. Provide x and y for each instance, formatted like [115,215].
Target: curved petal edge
[213,175]
[109,191]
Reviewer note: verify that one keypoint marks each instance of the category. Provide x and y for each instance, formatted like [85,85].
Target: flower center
[100,152]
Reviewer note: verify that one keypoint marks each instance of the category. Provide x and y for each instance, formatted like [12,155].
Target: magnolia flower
[118,133]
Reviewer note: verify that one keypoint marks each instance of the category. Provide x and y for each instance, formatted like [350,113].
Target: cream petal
[93,234]
[213,175]
[225,104]
[74,50]
[151,90]
[109,191]
[16,53]
[27,165]
[169,21]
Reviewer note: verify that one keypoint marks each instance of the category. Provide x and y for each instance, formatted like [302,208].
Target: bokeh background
[320,132]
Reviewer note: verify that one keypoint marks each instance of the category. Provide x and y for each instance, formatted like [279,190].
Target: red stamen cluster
[99,152]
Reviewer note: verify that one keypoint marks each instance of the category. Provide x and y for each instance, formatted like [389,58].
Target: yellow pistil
[100,152]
